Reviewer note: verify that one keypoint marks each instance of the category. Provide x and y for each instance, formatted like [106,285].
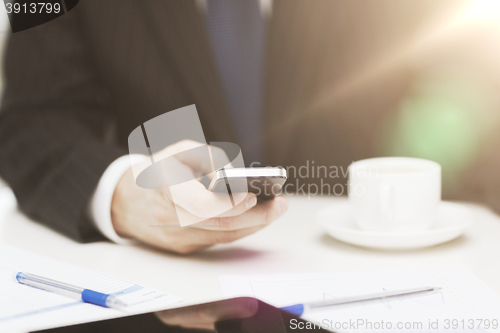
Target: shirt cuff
[100,202]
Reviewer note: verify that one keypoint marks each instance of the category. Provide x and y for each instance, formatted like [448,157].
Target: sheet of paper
[24,308]
[463,297]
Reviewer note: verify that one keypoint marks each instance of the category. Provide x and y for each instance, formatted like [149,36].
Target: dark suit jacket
[115,64]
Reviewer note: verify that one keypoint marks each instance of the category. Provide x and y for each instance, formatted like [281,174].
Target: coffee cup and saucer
[395,203]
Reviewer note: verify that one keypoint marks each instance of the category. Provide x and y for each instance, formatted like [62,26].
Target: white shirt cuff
[100,202]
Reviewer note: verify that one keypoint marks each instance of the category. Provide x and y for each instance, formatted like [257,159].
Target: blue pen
[299,309]
[61,288]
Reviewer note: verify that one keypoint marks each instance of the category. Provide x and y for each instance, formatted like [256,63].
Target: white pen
[298,309]
[68,290]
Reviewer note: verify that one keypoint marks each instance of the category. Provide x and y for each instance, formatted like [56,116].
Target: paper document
[464,302]
[24,308]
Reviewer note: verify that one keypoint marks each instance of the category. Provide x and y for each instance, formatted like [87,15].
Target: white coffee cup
[394,193]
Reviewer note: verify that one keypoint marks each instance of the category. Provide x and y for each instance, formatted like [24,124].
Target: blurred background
[451,112]
[423,84]
[448,112]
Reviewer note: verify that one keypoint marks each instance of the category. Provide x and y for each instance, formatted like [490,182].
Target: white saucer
[451,222]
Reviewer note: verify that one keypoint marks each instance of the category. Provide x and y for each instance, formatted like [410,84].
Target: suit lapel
[183,40]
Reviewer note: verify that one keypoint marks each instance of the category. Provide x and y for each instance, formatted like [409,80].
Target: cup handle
[386,204]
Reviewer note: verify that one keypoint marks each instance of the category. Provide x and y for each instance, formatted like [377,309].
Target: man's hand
[150,215]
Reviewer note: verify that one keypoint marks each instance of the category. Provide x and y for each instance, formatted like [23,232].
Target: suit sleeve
[54,120]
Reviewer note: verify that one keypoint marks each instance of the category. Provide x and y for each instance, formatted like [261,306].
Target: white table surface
[294,243]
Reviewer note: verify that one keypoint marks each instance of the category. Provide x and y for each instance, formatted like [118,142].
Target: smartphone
[265,182]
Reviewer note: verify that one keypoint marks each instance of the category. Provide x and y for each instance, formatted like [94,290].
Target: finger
[191,194]
[177,148]
[217,158]
[198,201]
[195,152]
[205,238]
[189,240]
[185,218]
[200,157]
[246,203]
[225,237]
[183,145]
[261,215]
